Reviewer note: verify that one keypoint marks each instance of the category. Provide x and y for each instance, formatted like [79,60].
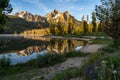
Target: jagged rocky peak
[52,14]
[30,17]
[24,14]
[54,11]
[58,16]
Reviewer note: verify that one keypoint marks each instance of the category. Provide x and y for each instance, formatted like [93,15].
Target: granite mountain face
[55,15]
[24,20]
[30,17]
[62,17]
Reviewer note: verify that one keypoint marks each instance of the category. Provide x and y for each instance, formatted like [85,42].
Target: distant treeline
[71,29]
[44,31]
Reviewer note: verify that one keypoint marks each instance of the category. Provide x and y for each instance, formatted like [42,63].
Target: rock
[91,48]
[38,78]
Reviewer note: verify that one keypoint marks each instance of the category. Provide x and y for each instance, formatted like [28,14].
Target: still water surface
[21,49]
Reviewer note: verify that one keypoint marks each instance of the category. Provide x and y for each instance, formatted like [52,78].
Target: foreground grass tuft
[110,48]
[100,41]
[99,66]
[106,69]
[75,54]
[4,64]
[41,61]
[67,74]
[49,59]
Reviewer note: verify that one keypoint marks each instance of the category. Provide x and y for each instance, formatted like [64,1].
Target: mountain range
[24,20]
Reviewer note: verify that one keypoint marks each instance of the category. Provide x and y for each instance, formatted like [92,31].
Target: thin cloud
[16,8]
[39,4]
[67,0]
[74,8]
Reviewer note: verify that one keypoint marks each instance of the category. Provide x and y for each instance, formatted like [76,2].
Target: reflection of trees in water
[63,45]
[29,46]
[3,43]
[32,49]
[85,42]
[60,44]
[10,45]
[70,45]
[52,44]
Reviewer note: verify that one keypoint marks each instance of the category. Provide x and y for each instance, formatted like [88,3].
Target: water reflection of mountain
[36,37]
[17,44]
[30,50]
[54,46]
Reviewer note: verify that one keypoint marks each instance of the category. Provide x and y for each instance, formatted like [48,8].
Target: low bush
[67,74]
[49,59]
[41,61]
[4,64]
[101,41]
[110,48]
[74,54]
[106,69]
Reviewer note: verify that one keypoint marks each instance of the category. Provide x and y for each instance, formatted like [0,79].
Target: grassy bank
[102,65]
[40,62]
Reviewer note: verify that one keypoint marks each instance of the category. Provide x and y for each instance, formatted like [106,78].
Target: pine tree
[60,28]
[70,26]
[83,21]
[84,25]
[52,27]
[109,15]
[100,27]
[87,24]
[94,22]
[5,8]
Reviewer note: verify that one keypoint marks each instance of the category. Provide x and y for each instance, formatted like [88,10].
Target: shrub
[67,74]
[106,69]
[49,59]
[110,48]
[75,54]
[4,64]
[101,41]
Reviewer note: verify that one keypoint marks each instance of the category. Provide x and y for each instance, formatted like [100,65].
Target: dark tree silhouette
[94,22]
[5,8]
[109,15]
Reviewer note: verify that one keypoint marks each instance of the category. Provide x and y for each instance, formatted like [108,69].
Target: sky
[76,8]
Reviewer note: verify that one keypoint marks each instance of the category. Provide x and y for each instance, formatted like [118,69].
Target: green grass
[100,63]
[52,59]
[49,59]
[94,34]
[97,34]
[78,72]
[75,54]
[110,48]
[67,74]
[41,61]
[100,41]
[4,64]
[93,58]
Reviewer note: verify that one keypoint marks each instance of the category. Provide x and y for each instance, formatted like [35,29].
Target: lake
[20,49]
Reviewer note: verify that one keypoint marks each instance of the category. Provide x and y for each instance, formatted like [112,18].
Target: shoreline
[84,38]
